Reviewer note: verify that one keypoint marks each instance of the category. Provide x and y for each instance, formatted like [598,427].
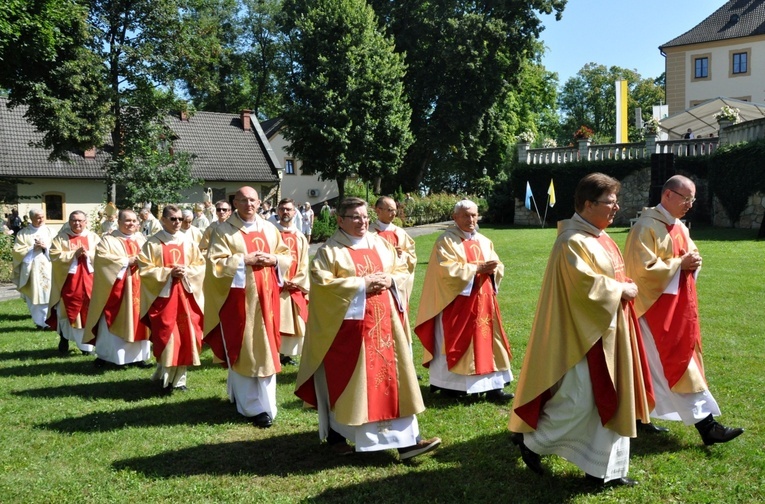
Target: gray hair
[36,211]
[187,213]
[464,205]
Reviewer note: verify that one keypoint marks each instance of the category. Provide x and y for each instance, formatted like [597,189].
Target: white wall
[87,195]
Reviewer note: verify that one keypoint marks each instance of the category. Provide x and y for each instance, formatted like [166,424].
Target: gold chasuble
[117,299]
[368,368]
[296,296]
[580,314]
[655,247]
[172,307]
[475,342]
[73,290]
[227,338]
[242,323]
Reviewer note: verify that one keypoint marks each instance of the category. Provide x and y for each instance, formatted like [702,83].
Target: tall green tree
[100,62]
[463,58]
[589,99]
[344,106]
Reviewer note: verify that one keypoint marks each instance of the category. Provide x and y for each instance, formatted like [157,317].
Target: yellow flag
[551,194]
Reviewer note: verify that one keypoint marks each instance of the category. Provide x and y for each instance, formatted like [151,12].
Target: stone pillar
[722,134]
[650,144]
[523,153]
[584,148]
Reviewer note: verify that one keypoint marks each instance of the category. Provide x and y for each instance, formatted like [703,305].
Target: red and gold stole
[389,236]
[78,286]
[470,319]
[113,304]
[297,295]
[177,316]
[674,319]
[373,336]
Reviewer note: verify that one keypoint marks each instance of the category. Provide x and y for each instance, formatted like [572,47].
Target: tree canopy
[344,106]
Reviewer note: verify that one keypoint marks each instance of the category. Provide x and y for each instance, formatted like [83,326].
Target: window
[289,167]
[54,206]
[739,62]
[701,68]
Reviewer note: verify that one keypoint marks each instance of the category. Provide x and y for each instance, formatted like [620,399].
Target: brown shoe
[423,446]
[342,449]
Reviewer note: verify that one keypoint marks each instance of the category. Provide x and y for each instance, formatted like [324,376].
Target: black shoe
[141,364]
[625,481]
[63,345]
[286,360]
[532,460]
[262,420]
[166,391]
[650,428]
[182,388]
[85,352]
[99,363]
[447,392]
[499,396]
[718,433]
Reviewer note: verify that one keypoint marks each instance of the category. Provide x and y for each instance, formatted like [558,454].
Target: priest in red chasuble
[458,323]
[356,367]
[293,294]
[584,382]
[172,270]
[71,253]
[664,262]
[247,261]
[114,323]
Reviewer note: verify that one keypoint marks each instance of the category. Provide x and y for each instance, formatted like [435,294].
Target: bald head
[247,203]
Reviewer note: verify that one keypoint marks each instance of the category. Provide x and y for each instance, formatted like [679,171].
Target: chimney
[90,153]
[184,115]
[245,117]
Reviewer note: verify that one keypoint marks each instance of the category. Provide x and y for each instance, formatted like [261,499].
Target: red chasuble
[78,286]
[374,337]
[470,319]
[176,317]
[674,320]
[297,295]
[232,313]
[112,307]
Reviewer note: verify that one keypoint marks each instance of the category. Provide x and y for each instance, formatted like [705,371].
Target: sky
[623,33]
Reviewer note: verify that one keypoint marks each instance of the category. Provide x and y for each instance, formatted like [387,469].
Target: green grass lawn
[74,433]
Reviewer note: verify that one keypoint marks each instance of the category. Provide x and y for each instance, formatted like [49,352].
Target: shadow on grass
[66,365]
[136,389]
[35,354]
[12,317]
[493,475]
[285,455]
[203,411]
[20,328]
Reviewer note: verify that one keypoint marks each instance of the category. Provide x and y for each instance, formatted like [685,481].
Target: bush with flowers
[728,114]
[583,133]
[527,137]
[651,126]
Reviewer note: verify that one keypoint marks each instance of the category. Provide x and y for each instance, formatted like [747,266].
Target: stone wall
[751,217]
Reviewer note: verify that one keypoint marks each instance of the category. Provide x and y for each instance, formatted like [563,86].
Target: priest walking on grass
[121,338]
[664,262]
[31,266]
[247,261]
[356,367]
[458,322]
[584,381]
[172,270]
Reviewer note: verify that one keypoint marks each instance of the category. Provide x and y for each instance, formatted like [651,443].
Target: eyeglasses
[356,218]
[608,203]
[686,199]
[175,219]
[222,209]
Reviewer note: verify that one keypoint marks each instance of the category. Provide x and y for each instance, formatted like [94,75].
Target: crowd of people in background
[614,343]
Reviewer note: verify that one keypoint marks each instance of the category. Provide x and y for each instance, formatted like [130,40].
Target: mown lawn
[74,433]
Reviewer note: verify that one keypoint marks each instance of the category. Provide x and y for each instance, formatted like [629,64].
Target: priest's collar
[665,213]
[357,241]
[466,234]
[383,226]
[594,229]
[251,226]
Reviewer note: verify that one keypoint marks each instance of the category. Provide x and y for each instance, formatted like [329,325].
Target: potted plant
[728,114]
[526,137]
[583,133]
[651,127]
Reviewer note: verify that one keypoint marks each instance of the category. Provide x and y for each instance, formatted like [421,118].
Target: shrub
[6,258]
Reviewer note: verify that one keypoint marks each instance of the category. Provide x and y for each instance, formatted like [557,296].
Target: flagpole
[537,209]
[547,205]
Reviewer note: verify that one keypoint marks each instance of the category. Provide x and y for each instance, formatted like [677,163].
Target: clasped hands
[487,267]
[690,260]
[260,259]
[378,282]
